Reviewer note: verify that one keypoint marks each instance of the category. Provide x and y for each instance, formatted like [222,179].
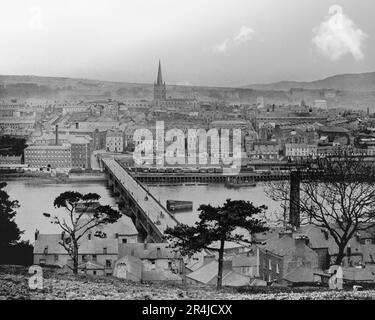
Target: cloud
[338,35]
[244,35]
[184,83]
[221,47]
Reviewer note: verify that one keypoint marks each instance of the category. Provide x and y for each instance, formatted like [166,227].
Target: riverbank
[66,286]
[48,178]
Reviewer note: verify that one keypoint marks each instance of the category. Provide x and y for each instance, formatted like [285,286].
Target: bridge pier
[294,199]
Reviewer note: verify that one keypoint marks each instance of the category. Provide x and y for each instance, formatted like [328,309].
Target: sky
[199,42]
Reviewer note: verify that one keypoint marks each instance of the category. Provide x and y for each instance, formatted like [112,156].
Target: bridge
[150,217]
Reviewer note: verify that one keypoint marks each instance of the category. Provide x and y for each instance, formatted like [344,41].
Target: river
[36,197]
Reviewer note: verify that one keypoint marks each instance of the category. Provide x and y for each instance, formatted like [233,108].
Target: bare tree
[337,194]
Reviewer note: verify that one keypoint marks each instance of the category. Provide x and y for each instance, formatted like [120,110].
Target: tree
[9,231]
[337,195]
[218,224]
[83,214]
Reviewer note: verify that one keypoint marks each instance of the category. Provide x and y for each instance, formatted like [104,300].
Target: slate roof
[91,266]
[244,261]
[279,246]
[301,275]
[150,251]
[206,273]
[160,275]
[357,274]
[93,246]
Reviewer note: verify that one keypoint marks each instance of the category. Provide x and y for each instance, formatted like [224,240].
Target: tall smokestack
[57,135]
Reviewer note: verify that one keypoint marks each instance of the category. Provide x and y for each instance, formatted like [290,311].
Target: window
[105,250]
[56,257]
[108,263]
[84,258]
[94,258]
[368,241]
[94,272]
[124,240]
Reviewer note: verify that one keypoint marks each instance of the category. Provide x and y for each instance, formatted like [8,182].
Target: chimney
[283,233]
[207,259]
[227,265]
[57,135]
[158,252]
[300,243]
[36,234]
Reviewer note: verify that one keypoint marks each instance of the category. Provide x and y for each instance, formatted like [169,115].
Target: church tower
[160,91]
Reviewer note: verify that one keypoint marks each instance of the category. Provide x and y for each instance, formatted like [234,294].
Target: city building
[267,150]
[49,156]
[114,141]
[10,159]
[300,150]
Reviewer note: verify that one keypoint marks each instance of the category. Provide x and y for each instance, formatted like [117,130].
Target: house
[303,276]
[245,264]
[129,268]
[98,250]
[92,268]
[207,275]
[278,256]
[49,251]
[158,260]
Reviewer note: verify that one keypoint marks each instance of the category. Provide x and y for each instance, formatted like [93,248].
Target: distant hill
[362,82]
[350,91]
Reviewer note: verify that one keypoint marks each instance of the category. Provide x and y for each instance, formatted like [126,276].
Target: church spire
[160,78]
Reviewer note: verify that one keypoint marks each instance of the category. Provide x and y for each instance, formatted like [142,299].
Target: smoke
[338,35]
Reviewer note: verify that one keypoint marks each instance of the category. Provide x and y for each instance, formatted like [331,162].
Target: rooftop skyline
[206,42]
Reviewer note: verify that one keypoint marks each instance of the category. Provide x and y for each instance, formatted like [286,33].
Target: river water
[36,197]
[214,194]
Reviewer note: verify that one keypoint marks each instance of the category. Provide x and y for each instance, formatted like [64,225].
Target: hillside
[350,91]
[60,286]
[361,82]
